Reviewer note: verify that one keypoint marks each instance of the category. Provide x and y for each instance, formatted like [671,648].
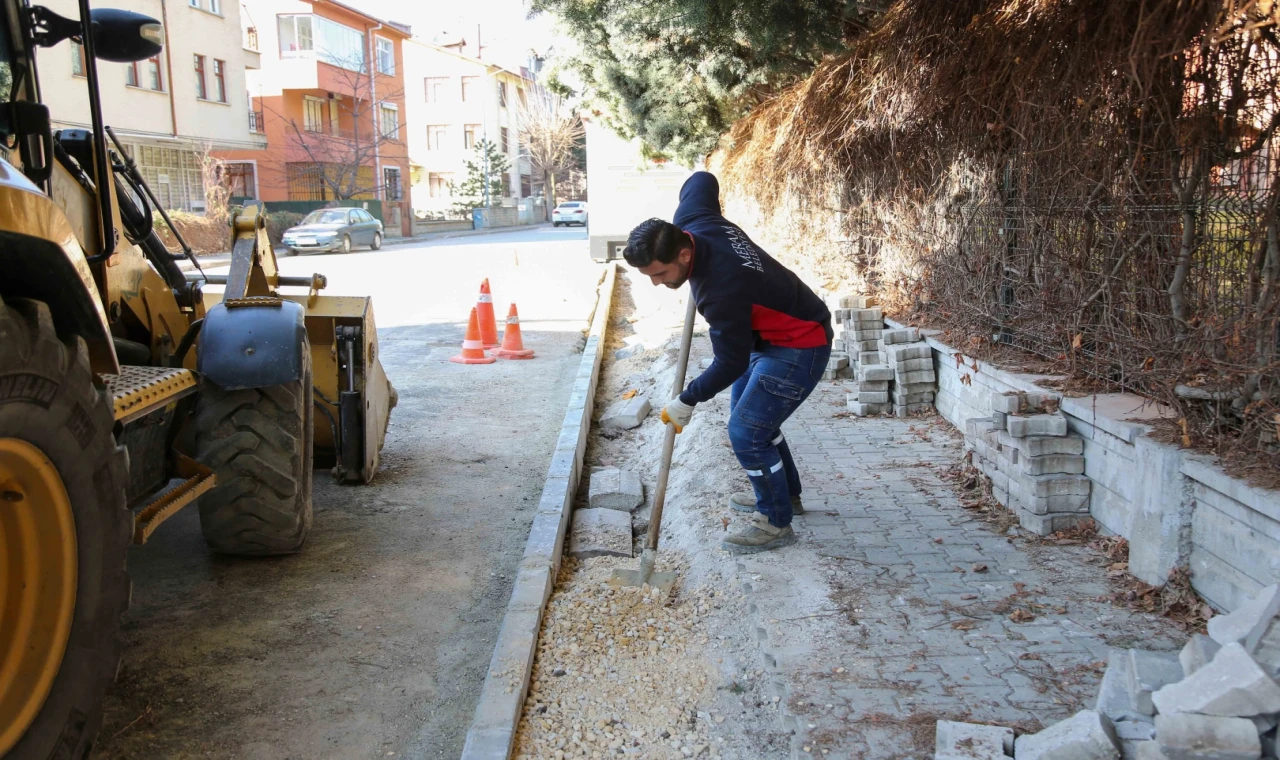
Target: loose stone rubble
[620,672]
[1035,464]
[1218,700]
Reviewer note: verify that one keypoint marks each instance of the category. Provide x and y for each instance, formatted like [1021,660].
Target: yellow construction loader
[130,388]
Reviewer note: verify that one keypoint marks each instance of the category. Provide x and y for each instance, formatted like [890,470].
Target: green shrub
[279,221]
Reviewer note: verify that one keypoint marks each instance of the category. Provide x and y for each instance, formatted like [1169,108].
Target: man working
[771,337]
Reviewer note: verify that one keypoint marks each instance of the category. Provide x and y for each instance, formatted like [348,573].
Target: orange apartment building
[330,99]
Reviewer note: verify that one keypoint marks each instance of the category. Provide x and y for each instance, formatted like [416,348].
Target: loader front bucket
[352,394]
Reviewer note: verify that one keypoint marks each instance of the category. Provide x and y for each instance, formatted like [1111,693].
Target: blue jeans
[773,387]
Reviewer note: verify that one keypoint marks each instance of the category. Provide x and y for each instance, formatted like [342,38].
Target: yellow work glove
[677,413]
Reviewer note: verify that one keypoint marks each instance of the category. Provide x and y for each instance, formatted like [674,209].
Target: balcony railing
[251,39]
[255,121]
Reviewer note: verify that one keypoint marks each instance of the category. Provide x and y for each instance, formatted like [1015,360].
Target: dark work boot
[758,536]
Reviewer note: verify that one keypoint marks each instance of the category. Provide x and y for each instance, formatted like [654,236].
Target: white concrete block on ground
[625,414]
[1205,737]
[1197,652]
[971,741]
[612,488]
[1231,685]
[599,533]
[1086,735]
[1148,672]
[1248,622]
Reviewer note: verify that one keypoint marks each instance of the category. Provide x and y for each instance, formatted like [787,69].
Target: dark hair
[654,240]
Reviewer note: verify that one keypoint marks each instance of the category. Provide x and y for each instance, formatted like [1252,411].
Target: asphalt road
[374,641]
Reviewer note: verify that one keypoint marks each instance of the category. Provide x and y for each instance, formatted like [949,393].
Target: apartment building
[453,101]
[168,110]
[329,98]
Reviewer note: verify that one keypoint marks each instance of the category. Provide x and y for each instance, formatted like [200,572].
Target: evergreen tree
[488,163]
[678,73]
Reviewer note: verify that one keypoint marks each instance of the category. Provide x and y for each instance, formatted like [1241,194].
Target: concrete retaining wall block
[1038,424]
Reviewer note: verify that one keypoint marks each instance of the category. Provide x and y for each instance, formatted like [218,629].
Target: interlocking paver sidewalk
[894,609]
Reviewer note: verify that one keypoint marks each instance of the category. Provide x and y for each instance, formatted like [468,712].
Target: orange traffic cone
[512,342]
[472,348]
[488,321]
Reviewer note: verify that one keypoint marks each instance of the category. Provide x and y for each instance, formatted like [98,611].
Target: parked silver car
[334,229]
[569,212]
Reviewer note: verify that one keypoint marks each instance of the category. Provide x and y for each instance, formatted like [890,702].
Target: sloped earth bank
[625,672]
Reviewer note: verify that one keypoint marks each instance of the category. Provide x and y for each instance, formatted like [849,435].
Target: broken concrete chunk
[1114,698]
[1247,623]
[1087,735]
[1204,737]
[1038,424]
[1149,750]
[599,533]
[612,488]
[1268,651]
[1197,652]
[625,413]
[971,741]
[1149,671]
[1139,729]
[1232,685]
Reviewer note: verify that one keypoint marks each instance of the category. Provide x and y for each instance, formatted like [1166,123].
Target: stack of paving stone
[871,396]
[915,383]
[1217,699]
[1036,467]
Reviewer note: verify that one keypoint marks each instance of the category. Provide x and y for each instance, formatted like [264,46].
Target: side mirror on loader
[118,35]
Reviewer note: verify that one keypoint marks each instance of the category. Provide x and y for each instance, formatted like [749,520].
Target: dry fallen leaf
[1028,656]
[630,394]
[1022,616]
[967,597]
[725,522]
[978,567]
[963,625]
[937,540]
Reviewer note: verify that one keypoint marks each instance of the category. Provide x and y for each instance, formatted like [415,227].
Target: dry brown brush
[1095,181]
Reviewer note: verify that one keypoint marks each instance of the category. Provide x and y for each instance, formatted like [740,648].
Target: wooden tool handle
[669,445]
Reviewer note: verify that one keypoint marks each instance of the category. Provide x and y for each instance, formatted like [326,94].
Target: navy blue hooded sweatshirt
[748,299]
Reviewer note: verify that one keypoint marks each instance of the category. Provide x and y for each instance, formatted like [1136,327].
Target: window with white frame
[389,116]
[295,35]
[194,3]
[502,94]
[77,59]
[438,185]
[215,6]
[435,88]
[437,134]
[339,45]
[469,88]
[386,56]
[312,114]
[469,134]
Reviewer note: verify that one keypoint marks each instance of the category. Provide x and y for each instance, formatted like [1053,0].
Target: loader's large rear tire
[258,442]
[64,532]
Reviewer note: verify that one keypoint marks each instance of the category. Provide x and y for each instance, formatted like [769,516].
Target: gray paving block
[906,410]
[1046,524]
[612,488]
[874,374]
[1038,424]
[1041,445]
[860,346]
[902,399]
[846,373]
[625,414]
[873,397]
[1206,737]
[1231,685]
[905,351]
[1000,419]
[1149,671]
[874,335]
[1009,403]
[1050,464]
[873,385]
[914,365]
[867,410]
[1056,485]
[830,374]
[1247,623]
[837,362]
[971,741]
[869,314]
[600,532]
[858,302]
[1087,735]
[1198,651]
[901,335]
[1139,728]
[868,357]
[921,376]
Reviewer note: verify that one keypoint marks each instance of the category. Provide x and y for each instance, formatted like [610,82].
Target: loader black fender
[252,343]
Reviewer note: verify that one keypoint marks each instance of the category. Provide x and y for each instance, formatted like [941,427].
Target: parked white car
[569,212]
